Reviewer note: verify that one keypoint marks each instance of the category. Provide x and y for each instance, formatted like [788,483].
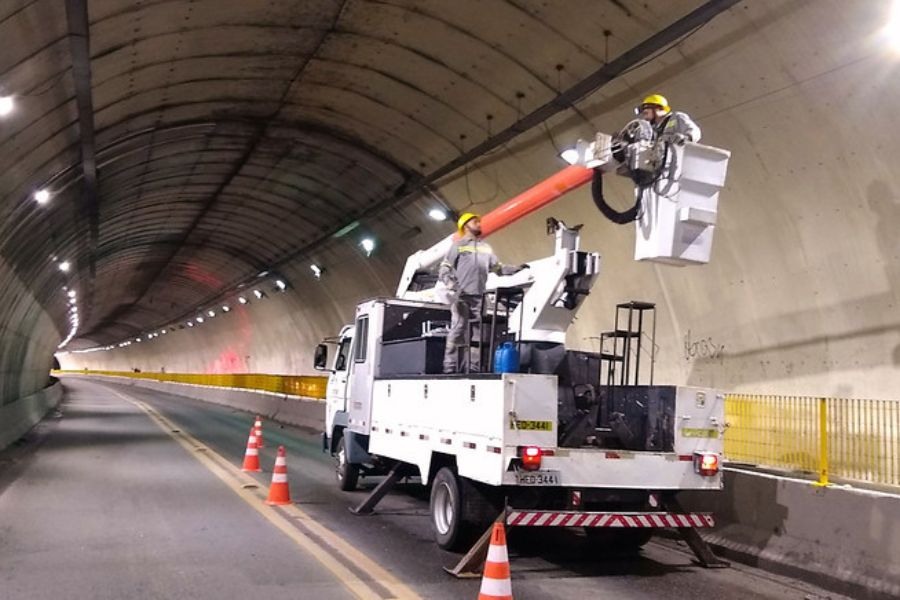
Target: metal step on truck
[570,439]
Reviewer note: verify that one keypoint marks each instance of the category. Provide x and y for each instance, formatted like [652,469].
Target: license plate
[537,478]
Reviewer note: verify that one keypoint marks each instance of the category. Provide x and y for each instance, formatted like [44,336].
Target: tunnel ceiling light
[262,273]
[437,214]
[72,293]
[190,323]
[368,245]
[6,105]
[199,319]
[892,29]
[280,284]
[164,331]
[242,300]
[42,196]
[64,266]
[211,313]
[570,155]
[317,271]
[225,308]
[259,295]
[137,339]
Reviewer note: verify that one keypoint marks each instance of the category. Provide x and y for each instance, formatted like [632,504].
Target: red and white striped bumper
[540,518]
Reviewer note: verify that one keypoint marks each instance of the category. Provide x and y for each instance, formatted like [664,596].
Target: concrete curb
[842,538]
[16,418]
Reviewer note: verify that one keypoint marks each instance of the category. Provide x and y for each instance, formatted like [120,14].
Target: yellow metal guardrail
[841,438]
[295,385]
[831,437]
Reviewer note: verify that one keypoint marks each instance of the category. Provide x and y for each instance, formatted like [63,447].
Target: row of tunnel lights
[367,244]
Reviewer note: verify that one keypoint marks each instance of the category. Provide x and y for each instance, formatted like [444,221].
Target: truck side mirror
[320,359]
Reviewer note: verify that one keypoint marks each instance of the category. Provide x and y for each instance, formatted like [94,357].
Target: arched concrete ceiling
[227,136]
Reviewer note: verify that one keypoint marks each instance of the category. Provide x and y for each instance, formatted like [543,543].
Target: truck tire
[347,474]
[450,531]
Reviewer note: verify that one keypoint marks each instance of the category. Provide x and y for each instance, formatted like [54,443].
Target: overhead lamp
[225,308]
[72,300]
[164,331]
[437,214]
[211,313]
[199,319]
[42,196]
[6,105]
[72,293]
[317,271]
[190,323]
[892,29]
[570,155]
[242,300]
[262,273]
[280,284]
[368,244]
[64,266]
[259,295]
[137,339]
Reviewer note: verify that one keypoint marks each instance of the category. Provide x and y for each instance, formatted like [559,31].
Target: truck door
[336,394]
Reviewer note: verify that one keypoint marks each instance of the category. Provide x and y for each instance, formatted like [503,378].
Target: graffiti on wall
[704,348]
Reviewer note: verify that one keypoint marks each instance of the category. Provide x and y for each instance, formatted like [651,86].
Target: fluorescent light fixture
[164,331]
[280,284]
[41,196]
[199,319]
[64,266]
[570,155]
[437,214]
[225,308]
[6,105]
[242,300]
[190,323]
[368,244]
[262,273]
[317,271]
[137,339]
[72,293]
[892,29]
[258,294]
[211,313]
[72,300]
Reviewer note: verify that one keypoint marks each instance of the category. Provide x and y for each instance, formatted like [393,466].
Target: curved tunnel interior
[164,159]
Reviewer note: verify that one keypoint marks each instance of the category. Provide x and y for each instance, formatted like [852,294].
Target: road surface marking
[319,541]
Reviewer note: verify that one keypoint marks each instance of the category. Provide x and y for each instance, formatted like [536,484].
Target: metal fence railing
[842,438]
[295,385]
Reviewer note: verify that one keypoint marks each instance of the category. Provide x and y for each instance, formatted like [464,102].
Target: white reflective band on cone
[252,452]
[279,477]
[280,461]
[502,588]
[497,554]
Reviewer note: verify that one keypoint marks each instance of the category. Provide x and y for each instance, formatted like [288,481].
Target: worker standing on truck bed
[464,271]
[677,126]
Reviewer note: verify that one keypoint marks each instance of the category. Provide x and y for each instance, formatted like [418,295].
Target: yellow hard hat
[465,218]
[656,100]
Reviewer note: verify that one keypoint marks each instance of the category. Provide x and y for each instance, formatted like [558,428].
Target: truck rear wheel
[347,474]
[446,510]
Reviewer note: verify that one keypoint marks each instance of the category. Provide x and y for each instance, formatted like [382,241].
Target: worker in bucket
[674,126]
[465,271]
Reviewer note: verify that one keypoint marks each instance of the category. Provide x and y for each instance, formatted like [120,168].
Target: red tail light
[706,463]
[531,457]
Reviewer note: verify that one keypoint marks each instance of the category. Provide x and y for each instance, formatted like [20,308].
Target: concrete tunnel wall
[801,295]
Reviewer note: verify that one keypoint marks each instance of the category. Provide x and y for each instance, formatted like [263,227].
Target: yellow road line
[322,549]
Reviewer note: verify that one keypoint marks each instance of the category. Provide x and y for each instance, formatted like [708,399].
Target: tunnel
[201,189]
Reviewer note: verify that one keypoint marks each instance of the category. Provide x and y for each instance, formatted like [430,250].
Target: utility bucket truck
[563,442]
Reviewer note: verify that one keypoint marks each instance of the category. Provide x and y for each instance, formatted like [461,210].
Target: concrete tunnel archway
[188,147]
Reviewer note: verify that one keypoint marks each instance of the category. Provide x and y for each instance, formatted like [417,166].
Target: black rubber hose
[622,218]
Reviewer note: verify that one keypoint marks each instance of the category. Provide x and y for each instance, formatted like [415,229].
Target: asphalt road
[130,493]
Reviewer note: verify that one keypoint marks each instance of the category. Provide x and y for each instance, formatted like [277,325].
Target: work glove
[680,139]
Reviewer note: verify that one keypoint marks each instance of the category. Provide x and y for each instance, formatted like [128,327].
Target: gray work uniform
[465,269]
[677,123]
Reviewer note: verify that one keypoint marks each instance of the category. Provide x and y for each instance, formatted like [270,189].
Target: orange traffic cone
[495,584]
[279,493]
[251,456]
[258,430]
